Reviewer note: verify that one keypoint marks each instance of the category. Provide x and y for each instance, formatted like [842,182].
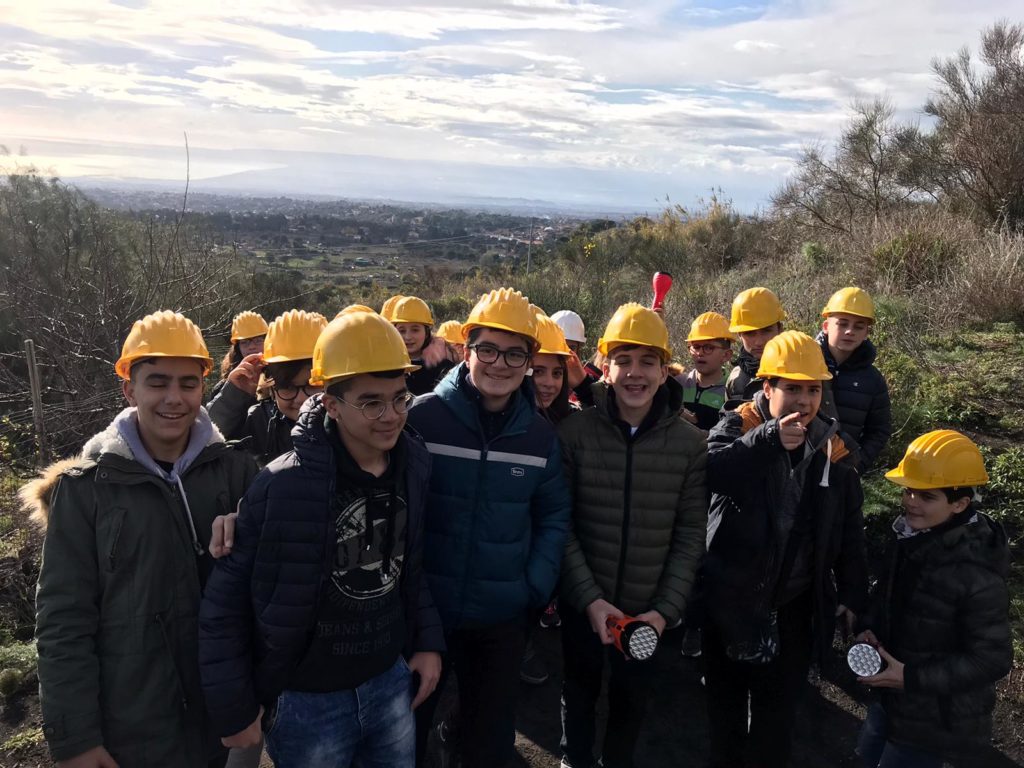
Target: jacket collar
[121,439]
[457,392]
[861,357]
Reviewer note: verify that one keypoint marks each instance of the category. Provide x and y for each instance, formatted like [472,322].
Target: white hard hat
[571,325]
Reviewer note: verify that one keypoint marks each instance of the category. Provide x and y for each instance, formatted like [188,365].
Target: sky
[592,103]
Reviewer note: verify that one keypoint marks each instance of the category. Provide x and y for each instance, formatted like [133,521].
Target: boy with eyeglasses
[318,627]
[710,345]
[497,516]
[265,426]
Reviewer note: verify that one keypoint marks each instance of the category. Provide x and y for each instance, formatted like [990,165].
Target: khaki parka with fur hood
[124,560]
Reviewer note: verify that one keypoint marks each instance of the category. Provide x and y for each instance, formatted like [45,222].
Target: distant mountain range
[521,189]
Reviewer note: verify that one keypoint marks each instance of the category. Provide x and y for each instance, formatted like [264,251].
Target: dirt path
[676,732]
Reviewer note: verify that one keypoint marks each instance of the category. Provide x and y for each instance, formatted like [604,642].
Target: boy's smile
[635,373]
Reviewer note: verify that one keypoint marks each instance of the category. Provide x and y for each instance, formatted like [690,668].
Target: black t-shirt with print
[360,625]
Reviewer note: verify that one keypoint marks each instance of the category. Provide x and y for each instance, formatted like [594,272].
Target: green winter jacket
[639,506]
[118,598]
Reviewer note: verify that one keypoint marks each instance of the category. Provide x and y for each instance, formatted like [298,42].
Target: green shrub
[815,254]
[10,682]
[915,258]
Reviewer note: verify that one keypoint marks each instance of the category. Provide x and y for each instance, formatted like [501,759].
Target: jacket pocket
[112,528]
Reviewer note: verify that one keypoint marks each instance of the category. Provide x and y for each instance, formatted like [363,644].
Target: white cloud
[656,86]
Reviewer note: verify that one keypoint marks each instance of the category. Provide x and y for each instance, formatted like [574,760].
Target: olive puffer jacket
[858,396]
[639,506]
[942,609]
[118,600]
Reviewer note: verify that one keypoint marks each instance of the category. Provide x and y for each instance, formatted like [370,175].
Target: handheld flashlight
[635,639]
[864,660]
[661,282]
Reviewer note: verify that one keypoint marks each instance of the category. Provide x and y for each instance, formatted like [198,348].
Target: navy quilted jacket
[260,604]
[497,511]
[858,397]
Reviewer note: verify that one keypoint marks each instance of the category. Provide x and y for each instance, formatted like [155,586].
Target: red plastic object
[635,639]
[662,282]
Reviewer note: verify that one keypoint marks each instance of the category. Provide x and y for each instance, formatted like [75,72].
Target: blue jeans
[876,751]
[371,726]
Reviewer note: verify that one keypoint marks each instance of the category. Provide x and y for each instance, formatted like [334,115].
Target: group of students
[368,505]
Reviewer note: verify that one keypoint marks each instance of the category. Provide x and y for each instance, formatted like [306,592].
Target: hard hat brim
[793,376]
[123,366]
[606,347]
[468,327]
[321,381]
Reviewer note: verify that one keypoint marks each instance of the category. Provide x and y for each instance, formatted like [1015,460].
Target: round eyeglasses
[375,409]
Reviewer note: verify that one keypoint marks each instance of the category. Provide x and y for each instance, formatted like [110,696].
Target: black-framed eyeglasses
[289,392]
[705,349]
[375,409]
[514,358]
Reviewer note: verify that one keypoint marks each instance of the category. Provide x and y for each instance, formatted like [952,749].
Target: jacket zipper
[117,537]
[627,496]
[174,663]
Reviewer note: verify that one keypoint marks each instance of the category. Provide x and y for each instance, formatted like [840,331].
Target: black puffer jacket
[260,427]
[859,397]
[260,605]
[751,516]
[742,383]
[426,378]
[942,608]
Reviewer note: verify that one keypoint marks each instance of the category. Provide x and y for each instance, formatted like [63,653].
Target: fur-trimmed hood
[115,440]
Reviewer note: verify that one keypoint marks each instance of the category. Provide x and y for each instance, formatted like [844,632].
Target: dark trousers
[628,688]
[774,690]
[486,662]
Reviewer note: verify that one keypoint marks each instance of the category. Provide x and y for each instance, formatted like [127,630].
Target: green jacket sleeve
[688,540]
[67,623]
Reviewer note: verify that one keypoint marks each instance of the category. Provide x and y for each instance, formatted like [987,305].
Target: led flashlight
[636,639]
[864,660]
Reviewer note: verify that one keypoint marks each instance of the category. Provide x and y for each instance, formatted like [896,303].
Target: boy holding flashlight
[636,472]
[785,553]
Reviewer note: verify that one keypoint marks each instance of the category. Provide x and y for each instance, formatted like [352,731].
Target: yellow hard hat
[755,308]
[385,310]
[793,355]
[247,325]
[450,331]
[355,343]
[292,336]
[503,309]
[708,326]
[851,301]
[354,308]
[550,337]
[411,309]
[940,459]
[162,334]
[633,323]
